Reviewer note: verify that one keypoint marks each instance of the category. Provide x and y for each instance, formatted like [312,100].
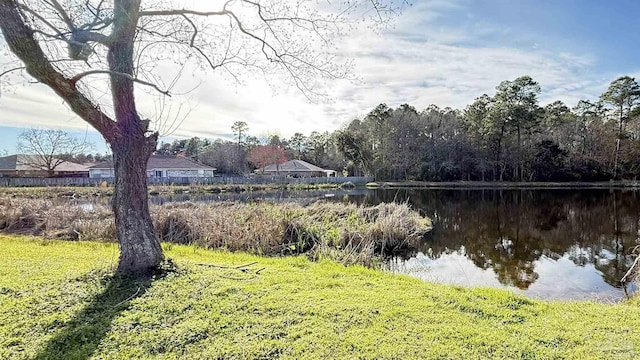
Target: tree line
[505,137]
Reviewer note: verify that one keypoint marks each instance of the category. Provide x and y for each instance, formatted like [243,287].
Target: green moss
[60,300]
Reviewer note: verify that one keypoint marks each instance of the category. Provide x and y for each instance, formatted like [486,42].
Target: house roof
[162,162]
[25,162]
[293,165]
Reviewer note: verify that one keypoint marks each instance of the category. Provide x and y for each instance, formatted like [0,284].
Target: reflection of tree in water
[508,230]
[614,261]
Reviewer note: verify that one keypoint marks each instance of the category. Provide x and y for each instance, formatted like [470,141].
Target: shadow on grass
[80,336]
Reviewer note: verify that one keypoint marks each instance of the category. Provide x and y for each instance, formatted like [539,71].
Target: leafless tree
[73,46]
[47,146]
[226,157]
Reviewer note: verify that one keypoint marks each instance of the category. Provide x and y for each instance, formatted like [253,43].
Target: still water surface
[550,244]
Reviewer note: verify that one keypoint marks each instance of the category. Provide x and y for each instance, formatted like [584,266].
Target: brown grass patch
[344,232]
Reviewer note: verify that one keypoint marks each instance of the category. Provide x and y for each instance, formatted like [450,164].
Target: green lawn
[58,300]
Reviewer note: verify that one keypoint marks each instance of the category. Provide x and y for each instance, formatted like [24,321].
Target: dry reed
[345,232]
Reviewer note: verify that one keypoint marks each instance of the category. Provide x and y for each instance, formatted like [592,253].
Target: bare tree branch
[20,40]
[41,18]
[293,60]
[84,36]
[195,29]
[24,67]
[181,12]
[63,14]
[12,70]
[79,76]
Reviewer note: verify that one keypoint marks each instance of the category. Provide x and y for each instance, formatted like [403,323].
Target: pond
[551,244]
[557,244]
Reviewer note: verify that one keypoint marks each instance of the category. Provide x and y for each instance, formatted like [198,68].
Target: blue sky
[9,135]
[443,52]
[601,29]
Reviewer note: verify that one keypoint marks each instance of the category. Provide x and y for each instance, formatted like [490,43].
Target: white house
[159,166]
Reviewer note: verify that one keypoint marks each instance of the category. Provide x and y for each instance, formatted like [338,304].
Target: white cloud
[36,106]
[578,282]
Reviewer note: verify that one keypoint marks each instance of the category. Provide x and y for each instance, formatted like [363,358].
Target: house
[296,168]
[159,166]
[24,165]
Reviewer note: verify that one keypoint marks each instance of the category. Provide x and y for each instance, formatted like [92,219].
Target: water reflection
[560,244]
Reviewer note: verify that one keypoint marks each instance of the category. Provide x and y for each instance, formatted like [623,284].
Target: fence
[7,182]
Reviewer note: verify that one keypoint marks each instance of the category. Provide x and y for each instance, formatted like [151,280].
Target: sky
[443,52]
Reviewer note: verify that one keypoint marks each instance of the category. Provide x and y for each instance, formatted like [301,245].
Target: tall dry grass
[345,232]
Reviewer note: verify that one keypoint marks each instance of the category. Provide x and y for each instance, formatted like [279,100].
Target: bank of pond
[61,300]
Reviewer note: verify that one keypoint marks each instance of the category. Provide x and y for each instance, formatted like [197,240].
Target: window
[158,173]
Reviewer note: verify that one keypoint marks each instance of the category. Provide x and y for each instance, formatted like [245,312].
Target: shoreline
[479,185]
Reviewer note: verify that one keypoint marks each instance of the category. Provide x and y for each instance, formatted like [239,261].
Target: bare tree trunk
[140,250]
[615,156]
[132,146]
[519,166]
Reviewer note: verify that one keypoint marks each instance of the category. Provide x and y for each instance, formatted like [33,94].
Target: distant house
[159,166]
[23,165]
[296,168]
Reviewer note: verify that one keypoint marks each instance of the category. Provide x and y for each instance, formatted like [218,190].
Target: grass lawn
[59,300]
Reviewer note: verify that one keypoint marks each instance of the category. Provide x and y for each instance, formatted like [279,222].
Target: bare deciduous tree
[226,157]
[47,146]
[72,46]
